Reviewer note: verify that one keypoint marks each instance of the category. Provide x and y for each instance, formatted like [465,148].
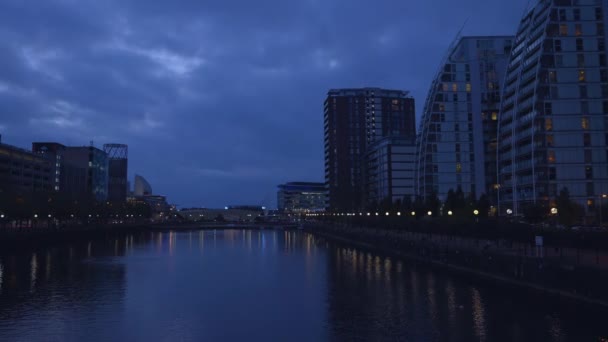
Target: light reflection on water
[267,285]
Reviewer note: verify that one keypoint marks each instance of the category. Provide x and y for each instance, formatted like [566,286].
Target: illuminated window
[550,140]
[585,123]
[494,116]
[563,30]
[548,124]
[445,87]
[455,87]
[458,167]
[581,75]
[468,87]
[578,30]
[551,156]
[395,102]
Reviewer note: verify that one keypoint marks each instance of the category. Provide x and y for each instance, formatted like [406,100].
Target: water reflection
[269,285]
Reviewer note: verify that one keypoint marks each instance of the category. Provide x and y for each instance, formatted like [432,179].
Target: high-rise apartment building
[553,121]
[355,119]
[457,137]
[391,170]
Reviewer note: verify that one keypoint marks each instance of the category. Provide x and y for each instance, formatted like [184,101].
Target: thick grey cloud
[219,101]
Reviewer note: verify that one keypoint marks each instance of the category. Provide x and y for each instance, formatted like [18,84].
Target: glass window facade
[457,136]
[552,121]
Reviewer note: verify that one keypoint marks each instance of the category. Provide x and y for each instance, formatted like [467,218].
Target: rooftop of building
[310,186]
[354,91]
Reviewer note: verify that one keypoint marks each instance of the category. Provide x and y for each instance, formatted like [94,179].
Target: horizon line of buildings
[77,172]
[517,118]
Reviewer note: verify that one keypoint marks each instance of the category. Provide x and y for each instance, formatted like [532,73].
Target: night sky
[219,101]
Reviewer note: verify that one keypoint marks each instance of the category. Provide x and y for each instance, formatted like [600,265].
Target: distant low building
[141,187]
[117,171]
[86,172]
[54,153]
[301,197]
[229,214]
[22,171]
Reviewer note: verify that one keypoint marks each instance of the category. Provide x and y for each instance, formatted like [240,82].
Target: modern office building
[353,120]
[53,152]
[24,172]
[301,197]
[141,186]
[553,123]
[86,172]
[391,170]
[457,135]
[117,171]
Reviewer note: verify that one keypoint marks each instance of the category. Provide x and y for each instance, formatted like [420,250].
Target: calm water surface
[268,285]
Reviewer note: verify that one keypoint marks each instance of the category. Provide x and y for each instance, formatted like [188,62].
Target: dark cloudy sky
[219,101]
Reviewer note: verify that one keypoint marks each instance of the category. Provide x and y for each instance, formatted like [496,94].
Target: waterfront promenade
[570,272]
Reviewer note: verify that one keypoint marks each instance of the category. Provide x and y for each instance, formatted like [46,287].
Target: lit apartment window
[458,167]
[445,87]
[468,87]
[581,75]
[551,156]
[550,140]
[455,87]
[494,116]
[585,123]
[578,30]
[563,30]
[548,124]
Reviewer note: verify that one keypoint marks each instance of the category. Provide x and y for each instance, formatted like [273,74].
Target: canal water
[267,285]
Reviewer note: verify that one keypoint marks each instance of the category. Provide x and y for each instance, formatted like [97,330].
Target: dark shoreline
[478,274]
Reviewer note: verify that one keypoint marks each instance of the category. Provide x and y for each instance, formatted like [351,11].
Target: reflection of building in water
[69,275]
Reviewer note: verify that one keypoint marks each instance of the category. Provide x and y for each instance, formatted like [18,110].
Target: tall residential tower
[553,123]
[457,138]
[354,120]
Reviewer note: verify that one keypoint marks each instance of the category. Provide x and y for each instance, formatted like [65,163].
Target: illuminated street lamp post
[601,197]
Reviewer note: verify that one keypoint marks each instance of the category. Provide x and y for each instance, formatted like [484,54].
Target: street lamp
[553,211]
[450,213]
[398,213]
[475,212]
[35,215]
[430,213]
[387,213]
[1,215]
[413,213]
[509,211]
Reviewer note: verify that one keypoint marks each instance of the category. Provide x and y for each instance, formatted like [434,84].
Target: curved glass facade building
[552,131]
[457,137]
[141,186]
